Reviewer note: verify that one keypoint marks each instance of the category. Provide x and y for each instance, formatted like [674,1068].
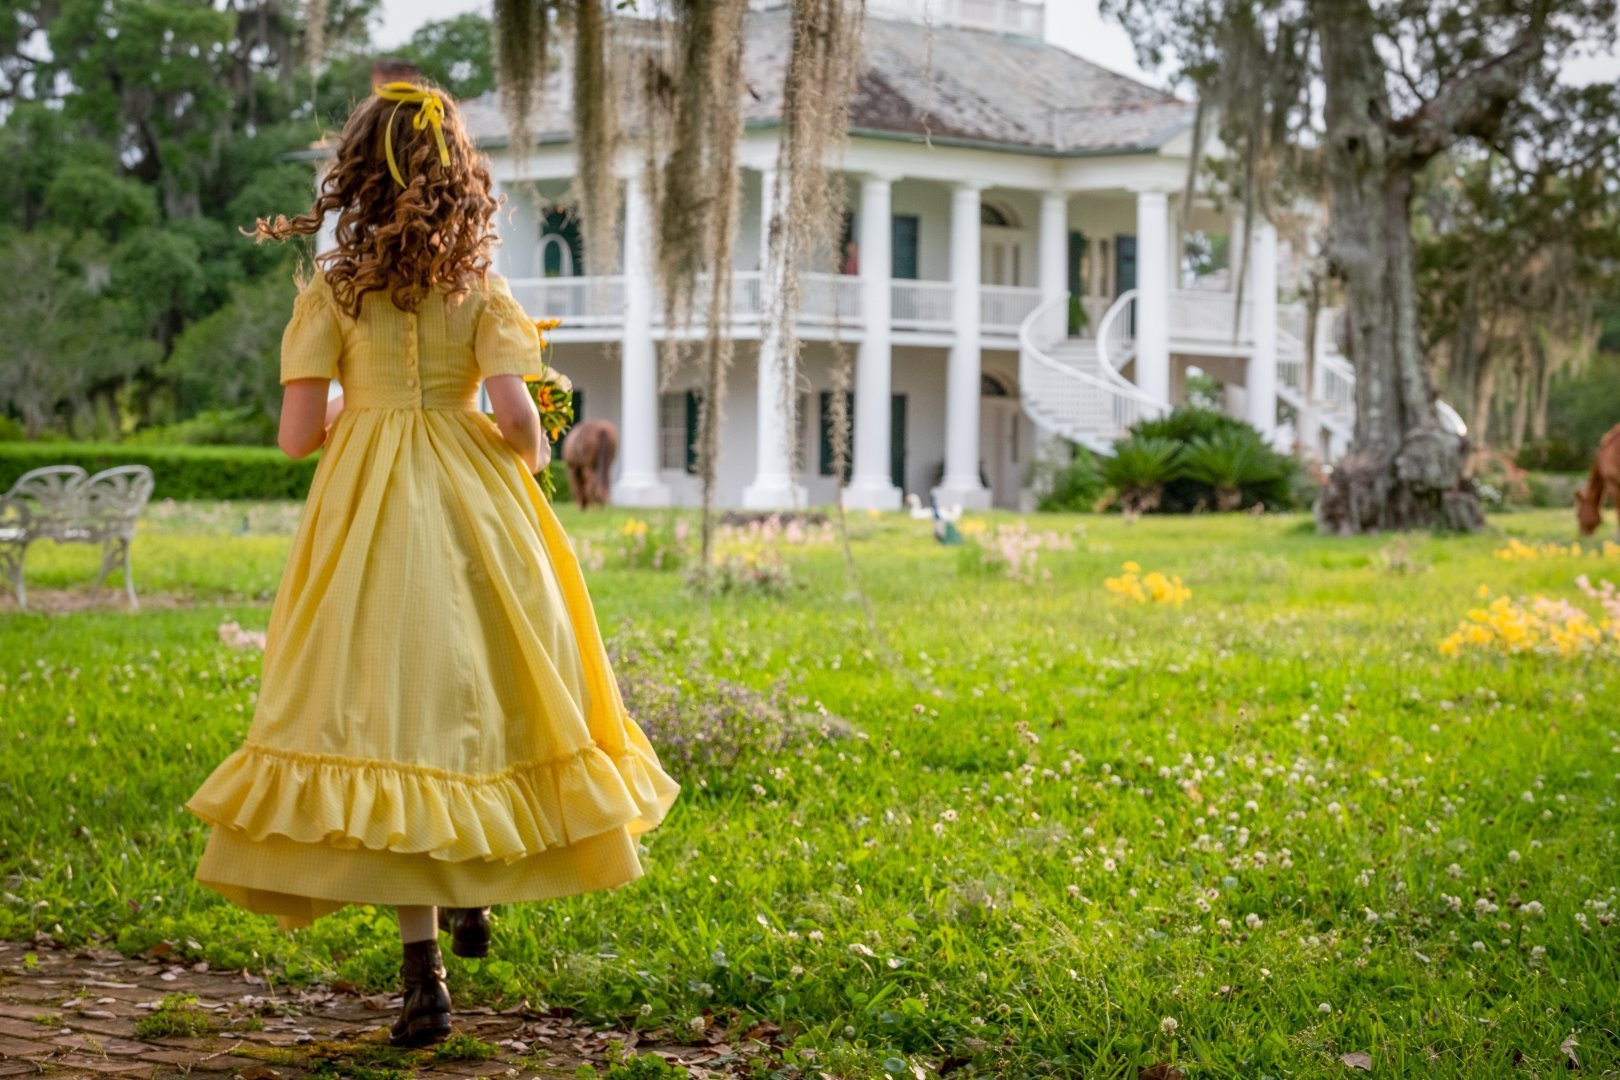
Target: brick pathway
[77,1013]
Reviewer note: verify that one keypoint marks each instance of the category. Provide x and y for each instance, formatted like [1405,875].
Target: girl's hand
[333,408]
[518,419]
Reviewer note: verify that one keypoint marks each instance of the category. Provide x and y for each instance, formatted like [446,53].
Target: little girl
[437,725]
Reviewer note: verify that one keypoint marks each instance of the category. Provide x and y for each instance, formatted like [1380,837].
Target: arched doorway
[1002,431]
[1001,244]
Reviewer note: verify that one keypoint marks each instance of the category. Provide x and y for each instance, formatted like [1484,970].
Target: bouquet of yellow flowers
[554,398]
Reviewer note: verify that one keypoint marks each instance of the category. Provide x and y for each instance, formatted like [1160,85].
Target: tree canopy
[140,136]
[1358,101]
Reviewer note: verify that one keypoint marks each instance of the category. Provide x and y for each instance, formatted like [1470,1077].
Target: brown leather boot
[468,928]
[425,1017]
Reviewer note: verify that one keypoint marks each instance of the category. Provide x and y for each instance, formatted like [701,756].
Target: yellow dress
[437,722]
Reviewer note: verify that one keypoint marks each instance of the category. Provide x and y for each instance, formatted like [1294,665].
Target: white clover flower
[698,1023]
[1109,865]
[1253,921]
[1534,908]
[1513,856]
[1454,871]
[1478,946]
[859,947]
[1201,904]
[1168,1025]
[1324,1008]
[1223,925]
[1538,953]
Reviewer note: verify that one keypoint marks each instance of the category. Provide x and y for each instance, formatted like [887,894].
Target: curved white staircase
[1069,386]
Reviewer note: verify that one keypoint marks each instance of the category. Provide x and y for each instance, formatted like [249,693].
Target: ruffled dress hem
[347,803]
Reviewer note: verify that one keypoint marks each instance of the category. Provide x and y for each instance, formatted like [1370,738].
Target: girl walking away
[437,727]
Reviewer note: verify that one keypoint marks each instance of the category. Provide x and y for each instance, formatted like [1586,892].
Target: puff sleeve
[506,341]
[313,340]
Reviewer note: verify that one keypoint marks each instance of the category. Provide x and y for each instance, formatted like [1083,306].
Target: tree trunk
[1522,389]
[1404,469]
[1484,395]
[1544,374]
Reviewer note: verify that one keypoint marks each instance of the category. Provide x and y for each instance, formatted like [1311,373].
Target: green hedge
[180,472]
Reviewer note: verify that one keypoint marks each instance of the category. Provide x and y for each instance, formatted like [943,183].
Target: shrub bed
[180,472]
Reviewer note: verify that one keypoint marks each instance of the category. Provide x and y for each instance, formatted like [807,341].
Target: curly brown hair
[433,233]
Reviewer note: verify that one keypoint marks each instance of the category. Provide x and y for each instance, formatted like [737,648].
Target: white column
[1153,294]
[1054,259]
[871,487]
[773,487]
[1262,375]
[639,483]
[961,483]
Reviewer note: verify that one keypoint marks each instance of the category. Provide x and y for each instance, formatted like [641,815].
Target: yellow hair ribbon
[431,114]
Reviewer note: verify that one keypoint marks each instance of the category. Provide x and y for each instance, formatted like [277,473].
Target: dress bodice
[431,358]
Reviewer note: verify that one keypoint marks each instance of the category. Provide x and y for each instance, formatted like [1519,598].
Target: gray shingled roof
[950,85]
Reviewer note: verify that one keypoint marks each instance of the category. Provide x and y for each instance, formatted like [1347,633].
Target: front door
[1000,430]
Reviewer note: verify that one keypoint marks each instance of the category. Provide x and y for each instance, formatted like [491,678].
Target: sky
[1076,25]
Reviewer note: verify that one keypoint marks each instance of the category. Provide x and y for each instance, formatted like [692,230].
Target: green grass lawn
[1072,837]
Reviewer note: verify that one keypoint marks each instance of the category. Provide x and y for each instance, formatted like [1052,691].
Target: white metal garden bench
[64,504]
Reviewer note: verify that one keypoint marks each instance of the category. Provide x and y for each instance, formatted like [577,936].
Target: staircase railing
[1116,339]
[1089,409]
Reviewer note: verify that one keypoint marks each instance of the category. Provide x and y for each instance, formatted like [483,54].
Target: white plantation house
[1012,281]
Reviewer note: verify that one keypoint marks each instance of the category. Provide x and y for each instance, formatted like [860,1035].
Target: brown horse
[1603,482]
[588,450]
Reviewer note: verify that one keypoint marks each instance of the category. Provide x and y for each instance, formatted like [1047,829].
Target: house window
[905,247]
[997,216]
[897,437]
[678,430]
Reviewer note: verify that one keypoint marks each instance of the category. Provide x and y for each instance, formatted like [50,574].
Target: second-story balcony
[592,308]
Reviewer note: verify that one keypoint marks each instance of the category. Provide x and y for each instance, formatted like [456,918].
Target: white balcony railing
[830,299]
[1208,318]
[922,305]
[1003,308]
[577,301]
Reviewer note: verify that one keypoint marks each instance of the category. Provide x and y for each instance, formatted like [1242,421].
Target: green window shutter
[825,442]
[897,440]
[1124,264]
[905,247]
[694,404]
